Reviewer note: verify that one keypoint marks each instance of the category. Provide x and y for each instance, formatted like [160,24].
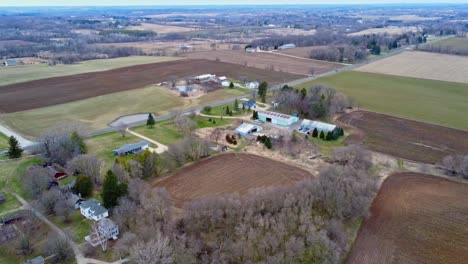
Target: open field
[424,65]
[289,31]
[416,218]
[438,102]
[228,173]
[266,60]
[403,18]
[164,132]
[4,43]
[25,73]
[455,45]
[390,31]
[404,138]
[161,29]
[303,52]
[47,92]
[3,142]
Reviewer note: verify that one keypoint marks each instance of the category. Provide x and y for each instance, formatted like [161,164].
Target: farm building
[185,89]
[277,118]
[56,171]
[246,129]
[286,46]
[36,260]
[131,148]
[252,85]
[250,104]
[93,210]
[205,77]
[308,126]
[225,83]
[9,62]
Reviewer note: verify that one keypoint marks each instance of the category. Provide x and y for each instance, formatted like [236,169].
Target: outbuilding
[286,46]
[9,63]
[277,118]
[252,85]
[131,148]
[250,104]
[246,129]
[307,126]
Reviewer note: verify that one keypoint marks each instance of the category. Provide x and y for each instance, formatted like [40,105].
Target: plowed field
[404,138]
[229,173]
[415,219]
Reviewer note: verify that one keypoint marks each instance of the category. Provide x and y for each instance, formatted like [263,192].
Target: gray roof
[106,224]
[319,125]
[94,206]
[11,62]
[249,103]
[36,260]
[131,147]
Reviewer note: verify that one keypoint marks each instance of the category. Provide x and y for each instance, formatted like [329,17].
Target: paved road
[23,141]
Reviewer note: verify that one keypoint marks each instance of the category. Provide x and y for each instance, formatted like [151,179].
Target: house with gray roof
[131,148]
[93,210]
[36,260]
[9,62]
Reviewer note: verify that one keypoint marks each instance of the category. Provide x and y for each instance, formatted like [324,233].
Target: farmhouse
[106,229]
[92,210]
[250,104]
[9,62]
[56,171]
[252,85]
[131,148]
[205,77]
[246,129]
[308,125]
[277,118]
[286,46]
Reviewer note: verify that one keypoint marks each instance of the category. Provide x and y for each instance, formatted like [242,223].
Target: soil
[403,138]
[52,91]
[228,173]
[416,218]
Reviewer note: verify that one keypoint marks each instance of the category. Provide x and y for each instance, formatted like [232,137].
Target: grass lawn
[3,142]
[326,147]
[24,73]
[163,132]
[78,226]
[10,173]
[222,94]
[438,102]
[67,180]
[455,44]
[203,122]
[221,110]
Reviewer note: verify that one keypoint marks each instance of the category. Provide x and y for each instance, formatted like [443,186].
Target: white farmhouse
[252,85]
[92,210]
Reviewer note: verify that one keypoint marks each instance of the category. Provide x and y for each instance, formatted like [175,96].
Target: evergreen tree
[315,133]
[236,105]
[227,110]
[112,190]
[322,135]
[231,85]
[262,91]
[79,143]
[329,136]
[14,150]
[268,143]
[150,122]
[254,115]
[303,93]
[83,186]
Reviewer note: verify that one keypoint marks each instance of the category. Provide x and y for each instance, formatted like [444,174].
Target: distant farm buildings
[252,85]
[246,129]
[205,77]
[286,46]
[277,118]
[185,89]
[9,63]
[131,148]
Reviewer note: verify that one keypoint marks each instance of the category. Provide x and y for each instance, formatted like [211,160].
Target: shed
[9,62]
[277,118]
[205,77]
[252,85]
[36,260]
[186,89]
[246,129]
[225,83]
[131,148]
[250,104]
[93,210]
[307,126]
[56,171]
[287,46]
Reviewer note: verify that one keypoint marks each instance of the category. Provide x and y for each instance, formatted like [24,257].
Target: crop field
[265,60]
[25,73]
[416,218]
[424,100]
[161,29]
[404,138]
[47,92]
[228,173]
[303,52]
[424,65]
[455,45]
[390,31]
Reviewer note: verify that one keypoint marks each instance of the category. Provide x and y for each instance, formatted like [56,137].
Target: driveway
[23,141]
[160,147]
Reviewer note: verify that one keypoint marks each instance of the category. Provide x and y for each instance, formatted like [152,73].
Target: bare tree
[35,181]
[88,165]
[122,128]
[184,124]
[355,156]
[49,199]
[456,165]
[59,247]
[63,208]
[216,134]
[59,146]
[155,251]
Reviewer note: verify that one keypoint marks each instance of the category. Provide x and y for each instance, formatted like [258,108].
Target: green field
[3,142]
[455,44]
[24,73]
[438,102]
[163,132]
[95,113]
[221,110]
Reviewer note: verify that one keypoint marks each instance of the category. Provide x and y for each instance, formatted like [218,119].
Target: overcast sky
[204,2]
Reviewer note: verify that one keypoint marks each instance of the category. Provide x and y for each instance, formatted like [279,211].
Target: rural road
[23,141]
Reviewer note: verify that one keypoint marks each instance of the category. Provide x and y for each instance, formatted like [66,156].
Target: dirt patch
[303,52]
[52,91]
[390,31]
[266,60]
[404,138]
[416,218]
[229,173]
[424,65]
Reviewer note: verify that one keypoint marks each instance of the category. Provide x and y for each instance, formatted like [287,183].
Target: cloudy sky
[204,2]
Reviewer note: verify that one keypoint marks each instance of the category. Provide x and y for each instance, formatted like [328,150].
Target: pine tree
[315,133]
[268,143]
[150,122]
[231,85]
[227,110]
[236,105]
[262,91]
[14,150]
[254,115]
[79,143]
[112,190]
[83,186]
[322,135]
[329,136]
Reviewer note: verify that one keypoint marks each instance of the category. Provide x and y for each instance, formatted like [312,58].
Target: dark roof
[250,103]
[131,147]
[11,218]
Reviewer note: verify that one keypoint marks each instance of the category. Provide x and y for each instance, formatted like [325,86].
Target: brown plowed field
[415,219]
[404,138]
[52,91]
[267,60]
[229,173]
